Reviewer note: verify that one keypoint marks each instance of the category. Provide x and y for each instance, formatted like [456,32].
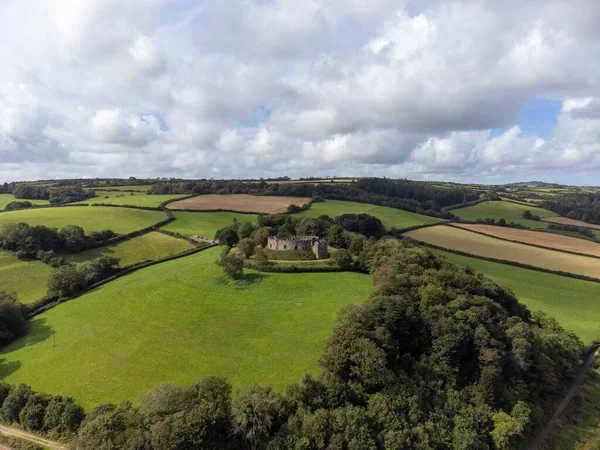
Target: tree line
[54,194]
[438,357]
[585,207]
[415,196]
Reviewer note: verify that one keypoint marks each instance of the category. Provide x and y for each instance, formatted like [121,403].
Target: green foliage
[18,205]
[227,236]
[289,255]
[12,322]
[232,264]
[261,236]
[342,258]
[245,230]
[509,211]
[508,428]
[247,246]
[69,279]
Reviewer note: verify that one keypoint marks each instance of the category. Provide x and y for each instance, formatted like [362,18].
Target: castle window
[284,246]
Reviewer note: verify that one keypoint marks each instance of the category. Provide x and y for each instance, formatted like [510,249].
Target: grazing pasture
[390,217]
[477,244]
[97,218]
[549,240]
[5,199]
[511,212]
[205,223]
[178,322]
[575,304]
[139,188]
[239,202]
[28,279]
[130,198]
[150,246]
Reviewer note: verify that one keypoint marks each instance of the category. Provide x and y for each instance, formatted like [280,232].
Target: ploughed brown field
[477,244]
[549,240]
[567,221]
[239,202]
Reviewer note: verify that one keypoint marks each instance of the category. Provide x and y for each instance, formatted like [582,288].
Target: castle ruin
[303,243]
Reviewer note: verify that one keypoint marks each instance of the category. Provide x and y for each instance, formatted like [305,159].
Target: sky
[468,91]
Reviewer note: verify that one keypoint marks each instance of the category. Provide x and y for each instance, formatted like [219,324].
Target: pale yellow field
[552,241]
[239,202]
[477,244]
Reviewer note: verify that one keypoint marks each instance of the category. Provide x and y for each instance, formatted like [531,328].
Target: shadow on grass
[244,282]
[7,368]
[37,331]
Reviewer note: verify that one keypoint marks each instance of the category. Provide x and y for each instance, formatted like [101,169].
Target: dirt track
[239,202]
[15,432]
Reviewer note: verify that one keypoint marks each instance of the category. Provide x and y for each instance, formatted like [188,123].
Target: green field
[97,218]
[178,322]
[574,303]
[205,223]
[390,217]
[5,199]
[511,212]
[28,279]
[150,246]
[130,198]
[139,188]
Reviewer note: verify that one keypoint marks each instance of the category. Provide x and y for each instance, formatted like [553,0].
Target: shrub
[290,255]
[232,264]
[247,246]
[12,322]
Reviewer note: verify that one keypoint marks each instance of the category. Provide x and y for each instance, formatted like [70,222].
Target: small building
[303,243]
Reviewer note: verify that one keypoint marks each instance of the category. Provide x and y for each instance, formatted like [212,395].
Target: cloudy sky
[485,91]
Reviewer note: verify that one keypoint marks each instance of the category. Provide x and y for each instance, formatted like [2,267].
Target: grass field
[178,322]
[5,199]
[97,218]
[126,198]
[239,202]
[150,246]
[550,240]
[511,212]
[477,244]
[139,188]
[28,279]
[574,303]
[390,217]
[205,223]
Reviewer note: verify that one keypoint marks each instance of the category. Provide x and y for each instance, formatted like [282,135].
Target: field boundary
[56,205]
[467,204]
[125,271]
[293,268]
[450,224]
[395,232]
[504,261]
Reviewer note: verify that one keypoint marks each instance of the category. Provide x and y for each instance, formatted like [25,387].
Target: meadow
[477,244]
[178,322]
[205,223]
[28,279]
[549,240]
[150,246]
[511,212]
[239,202]
[97,218]
[572,302]
[5,199]
[130,198]
[390,217]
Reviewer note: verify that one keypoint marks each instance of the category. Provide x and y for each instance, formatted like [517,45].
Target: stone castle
[307,243]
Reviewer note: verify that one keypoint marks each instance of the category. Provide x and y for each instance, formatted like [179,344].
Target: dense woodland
[584,207]
[54,194]
[415,196]
[437,358]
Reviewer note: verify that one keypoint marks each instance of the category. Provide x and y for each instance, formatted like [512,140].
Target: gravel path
[15,432]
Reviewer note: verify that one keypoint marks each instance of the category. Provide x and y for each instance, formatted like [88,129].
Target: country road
[580,377]
[15,432]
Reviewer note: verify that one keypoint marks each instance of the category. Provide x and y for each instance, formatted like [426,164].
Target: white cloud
[254,88]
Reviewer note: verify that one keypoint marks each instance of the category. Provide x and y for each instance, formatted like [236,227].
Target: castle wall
[314,244]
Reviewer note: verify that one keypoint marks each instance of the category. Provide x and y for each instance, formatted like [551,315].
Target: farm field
[567,221]
[239,202]
[5,199]
[205,223]
[178,322]
[390,217]
[28,279]
[97,218]
[553,241]
[511,212]
[573,303]
[477,244]
[130,198]
[150,246]
[139,188]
